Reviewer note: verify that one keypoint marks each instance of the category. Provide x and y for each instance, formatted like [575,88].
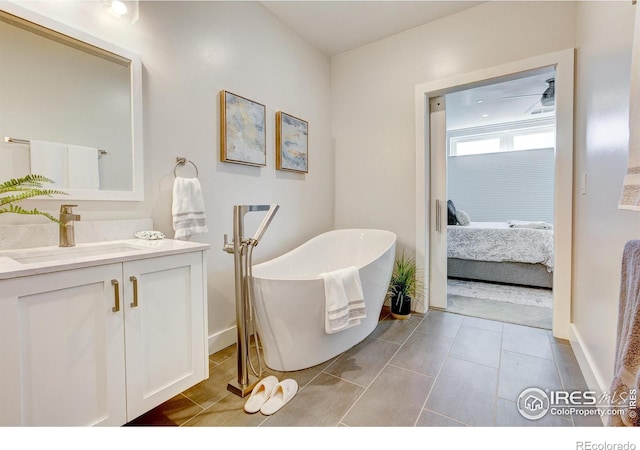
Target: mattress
[523,274]
[498,242]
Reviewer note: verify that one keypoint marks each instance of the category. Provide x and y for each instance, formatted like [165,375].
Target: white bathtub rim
[317,237]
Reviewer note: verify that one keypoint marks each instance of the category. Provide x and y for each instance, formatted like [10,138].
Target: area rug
[513,304]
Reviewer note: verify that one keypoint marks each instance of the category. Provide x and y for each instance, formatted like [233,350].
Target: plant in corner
[406,285]
[28,186]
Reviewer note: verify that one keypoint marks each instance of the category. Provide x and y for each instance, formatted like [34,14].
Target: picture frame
[292,143]
[243,138]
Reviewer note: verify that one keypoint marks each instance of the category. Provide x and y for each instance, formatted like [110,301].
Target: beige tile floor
[438,369]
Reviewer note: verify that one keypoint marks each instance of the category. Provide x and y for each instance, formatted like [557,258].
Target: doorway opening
[431,196]
[500,166]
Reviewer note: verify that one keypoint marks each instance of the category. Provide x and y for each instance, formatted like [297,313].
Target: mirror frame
[137,192]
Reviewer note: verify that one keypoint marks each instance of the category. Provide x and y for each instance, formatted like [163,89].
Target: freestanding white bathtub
[289,296]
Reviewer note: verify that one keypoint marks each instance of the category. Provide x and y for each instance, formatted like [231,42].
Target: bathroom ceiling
[339,26]
[336,26]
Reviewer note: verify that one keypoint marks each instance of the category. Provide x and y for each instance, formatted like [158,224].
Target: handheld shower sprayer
[273,209]
[242,250]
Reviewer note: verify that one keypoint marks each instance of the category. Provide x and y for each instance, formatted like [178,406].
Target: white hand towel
[49,159]
[83,167]
[344,300]
[188,208]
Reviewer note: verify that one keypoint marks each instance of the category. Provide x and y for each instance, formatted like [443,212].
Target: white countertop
[33,261]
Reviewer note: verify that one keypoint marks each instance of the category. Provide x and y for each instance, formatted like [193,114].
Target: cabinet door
[61,349]
[166,331]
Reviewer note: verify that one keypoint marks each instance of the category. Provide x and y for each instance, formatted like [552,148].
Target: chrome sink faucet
[67,236]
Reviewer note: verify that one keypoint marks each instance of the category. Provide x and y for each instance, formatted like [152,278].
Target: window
[534,139]
[477,146]
[502,138]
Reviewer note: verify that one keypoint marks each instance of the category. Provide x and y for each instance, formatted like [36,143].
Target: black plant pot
[401,307]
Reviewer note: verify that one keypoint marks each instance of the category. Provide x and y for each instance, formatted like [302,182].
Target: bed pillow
[452,220]
[462,218]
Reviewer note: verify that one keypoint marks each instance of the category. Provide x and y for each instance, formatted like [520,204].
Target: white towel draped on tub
[188,208]
[49,159]
[344,300]
[83,167]
[630,198]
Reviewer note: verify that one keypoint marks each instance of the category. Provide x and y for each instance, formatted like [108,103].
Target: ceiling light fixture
[122,8]
[118,8]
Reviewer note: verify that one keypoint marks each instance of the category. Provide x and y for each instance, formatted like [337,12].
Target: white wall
[604,36]
[190,51]
[374,91]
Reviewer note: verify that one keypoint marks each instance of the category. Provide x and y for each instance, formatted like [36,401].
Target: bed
[502,252]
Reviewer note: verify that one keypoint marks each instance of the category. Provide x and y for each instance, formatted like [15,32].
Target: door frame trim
[563,227]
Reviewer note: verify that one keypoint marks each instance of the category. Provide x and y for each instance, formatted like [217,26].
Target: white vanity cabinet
[166,333]
[101,345]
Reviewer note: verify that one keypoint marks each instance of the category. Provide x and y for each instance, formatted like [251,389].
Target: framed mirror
[70,108]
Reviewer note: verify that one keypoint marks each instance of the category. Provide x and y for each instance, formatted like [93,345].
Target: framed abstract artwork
[292,143]
[243,138]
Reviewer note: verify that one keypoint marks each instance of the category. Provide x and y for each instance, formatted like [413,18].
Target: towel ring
[180,161]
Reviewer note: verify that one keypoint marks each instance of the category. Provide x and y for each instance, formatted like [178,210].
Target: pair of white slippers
[269,395]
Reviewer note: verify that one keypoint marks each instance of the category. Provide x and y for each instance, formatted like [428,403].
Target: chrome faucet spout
[67,231]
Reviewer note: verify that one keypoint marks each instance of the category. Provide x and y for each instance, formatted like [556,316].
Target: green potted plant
[406,285]
[18,189]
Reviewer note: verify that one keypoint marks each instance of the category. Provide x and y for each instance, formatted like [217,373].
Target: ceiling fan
[547,98]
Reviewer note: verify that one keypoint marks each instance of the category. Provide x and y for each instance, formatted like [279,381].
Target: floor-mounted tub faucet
[67,218]
[242,249]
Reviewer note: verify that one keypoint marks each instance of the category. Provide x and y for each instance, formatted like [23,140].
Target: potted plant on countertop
[18,189]
[406,285]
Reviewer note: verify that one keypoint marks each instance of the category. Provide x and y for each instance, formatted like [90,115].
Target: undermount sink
[48,254]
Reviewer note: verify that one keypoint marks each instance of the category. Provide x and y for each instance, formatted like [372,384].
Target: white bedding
[496,241]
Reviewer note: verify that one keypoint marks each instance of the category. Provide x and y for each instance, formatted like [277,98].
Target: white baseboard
[222,339]
[592,376]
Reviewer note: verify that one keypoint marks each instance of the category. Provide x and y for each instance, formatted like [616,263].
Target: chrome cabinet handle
[116,292]
[438,216]
[134,280]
